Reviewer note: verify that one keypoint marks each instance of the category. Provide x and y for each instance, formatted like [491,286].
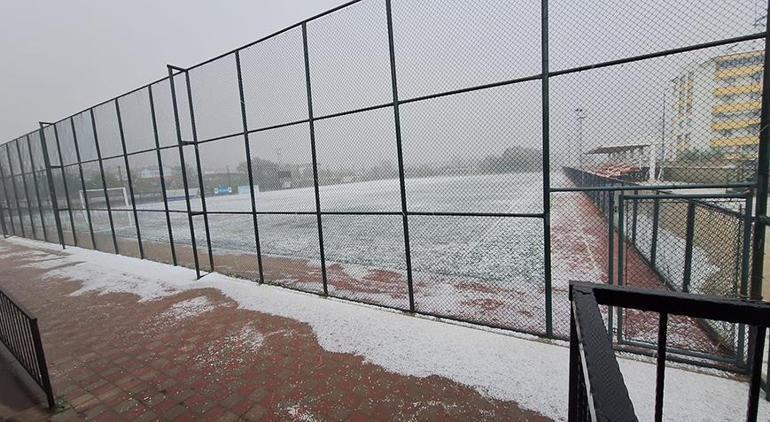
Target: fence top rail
[18,305]
[656,54]
[701,200]
[741,311]
[687,196]
[626,186]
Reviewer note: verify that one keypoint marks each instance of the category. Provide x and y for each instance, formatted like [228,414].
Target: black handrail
[20,334]
[597,390]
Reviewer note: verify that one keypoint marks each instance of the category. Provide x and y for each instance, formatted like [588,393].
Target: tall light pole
[662,154]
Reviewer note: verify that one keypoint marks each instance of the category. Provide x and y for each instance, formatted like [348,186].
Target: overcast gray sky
[59,57]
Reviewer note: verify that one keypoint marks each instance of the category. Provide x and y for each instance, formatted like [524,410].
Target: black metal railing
[597,391]
[20,334]
[656,225]
[596,387]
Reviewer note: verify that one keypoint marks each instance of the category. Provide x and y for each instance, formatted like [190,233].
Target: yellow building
[717,106]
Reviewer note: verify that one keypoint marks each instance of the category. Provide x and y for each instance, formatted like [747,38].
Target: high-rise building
[716,107]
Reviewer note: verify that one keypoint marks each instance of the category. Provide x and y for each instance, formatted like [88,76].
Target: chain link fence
[457,159]
[699,246]
[692,243]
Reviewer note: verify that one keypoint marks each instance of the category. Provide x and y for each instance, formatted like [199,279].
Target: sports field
[486,269]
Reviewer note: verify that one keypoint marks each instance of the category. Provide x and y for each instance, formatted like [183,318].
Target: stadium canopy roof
[612,149]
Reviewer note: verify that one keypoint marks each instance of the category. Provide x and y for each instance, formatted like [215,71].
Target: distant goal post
[96,200]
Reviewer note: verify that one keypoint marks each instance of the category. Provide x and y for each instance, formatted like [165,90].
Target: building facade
[716,108]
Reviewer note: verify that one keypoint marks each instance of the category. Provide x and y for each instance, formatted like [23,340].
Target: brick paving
[114,358]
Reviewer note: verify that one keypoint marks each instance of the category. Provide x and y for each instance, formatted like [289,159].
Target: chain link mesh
[216,102]
[358,163]
[475,152]
[435,203]
[349,59]
[365,259]
[444,46]
[482,269]
[273,73]
[290,249]
[611,31]
[696,246]
[136,120]
[282,169]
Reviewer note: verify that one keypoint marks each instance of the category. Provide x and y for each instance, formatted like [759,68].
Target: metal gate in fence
[433,157]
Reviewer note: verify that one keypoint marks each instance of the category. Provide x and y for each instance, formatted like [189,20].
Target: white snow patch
[232,350]
[187,309]
[29,254]
[106,273]
[532,373]
[500,366]
[45,264]
[297,414]
[249,338]
[35,244]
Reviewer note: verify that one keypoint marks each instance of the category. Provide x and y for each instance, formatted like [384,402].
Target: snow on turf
[506,254]
[532,373]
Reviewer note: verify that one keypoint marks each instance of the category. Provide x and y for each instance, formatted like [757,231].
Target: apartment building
[716,107]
